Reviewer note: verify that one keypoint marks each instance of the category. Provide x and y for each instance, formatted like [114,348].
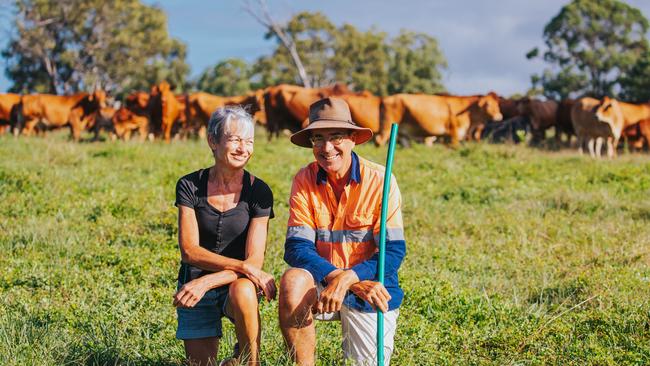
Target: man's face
[332,149]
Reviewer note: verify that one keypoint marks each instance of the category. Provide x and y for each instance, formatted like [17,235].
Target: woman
[223,215]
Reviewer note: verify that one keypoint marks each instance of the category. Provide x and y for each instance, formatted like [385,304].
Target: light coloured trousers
[360,333]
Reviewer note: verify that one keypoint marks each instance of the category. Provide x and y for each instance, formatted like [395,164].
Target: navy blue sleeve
[395,252]
[301,253]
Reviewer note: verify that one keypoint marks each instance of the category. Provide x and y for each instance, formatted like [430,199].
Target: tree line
[591,47]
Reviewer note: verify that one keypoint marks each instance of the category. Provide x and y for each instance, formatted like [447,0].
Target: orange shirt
[345,233]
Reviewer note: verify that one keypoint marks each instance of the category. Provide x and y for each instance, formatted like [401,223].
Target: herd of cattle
[161,113]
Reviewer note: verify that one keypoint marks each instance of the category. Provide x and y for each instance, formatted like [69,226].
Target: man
[332,241]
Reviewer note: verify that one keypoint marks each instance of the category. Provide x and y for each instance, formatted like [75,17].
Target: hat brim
[301,138]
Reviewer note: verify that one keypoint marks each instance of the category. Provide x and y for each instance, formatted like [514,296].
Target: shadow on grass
[88,354]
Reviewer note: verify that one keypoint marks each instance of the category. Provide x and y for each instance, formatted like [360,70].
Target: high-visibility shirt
[324,234]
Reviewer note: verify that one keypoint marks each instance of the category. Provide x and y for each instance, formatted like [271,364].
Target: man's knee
[295,282]
[297,291]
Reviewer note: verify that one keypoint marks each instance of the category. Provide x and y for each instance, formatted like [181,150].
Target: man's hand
[331,299]
[374,293]
[191,293]
[262,280]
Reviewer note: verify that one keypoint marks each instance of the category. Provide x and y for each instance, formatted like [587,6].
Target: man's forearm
[302,253]
[395,251]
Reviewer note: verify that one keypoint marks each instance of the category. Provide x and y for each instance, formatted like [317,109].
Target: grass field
[515,256]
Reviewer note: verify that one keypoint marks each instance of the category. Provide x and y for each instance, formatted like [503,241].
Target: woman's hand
[374,293]
[262,280]
[191,293]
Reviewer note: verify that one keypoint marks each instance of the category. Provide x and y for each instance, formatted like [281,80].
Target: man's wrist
[332,275]
[348,277]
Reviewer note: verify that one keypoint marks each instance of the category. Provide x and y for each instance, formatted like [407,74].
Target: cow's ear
[482,102]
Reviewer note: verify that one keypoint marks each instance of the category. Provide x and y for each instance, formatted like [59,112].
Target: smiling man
[332,239]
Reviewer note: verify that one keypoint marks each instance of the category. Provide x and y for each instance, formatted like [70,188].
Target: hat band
[333,120]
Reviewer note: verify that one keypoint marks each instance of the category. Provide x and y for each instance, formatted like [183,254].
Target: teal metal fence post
[382,238]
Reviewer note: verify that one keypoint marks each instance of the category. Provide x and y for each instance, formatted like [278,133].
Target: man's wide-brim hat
[330,113]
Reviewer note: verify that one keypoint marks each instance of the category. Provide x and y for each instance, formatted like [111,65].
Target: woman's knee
[243,292]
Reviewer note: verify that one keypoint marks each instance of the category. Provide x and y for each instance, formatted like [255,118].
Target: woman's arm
[256,241]
[192,253]
[192,292]
[255,248]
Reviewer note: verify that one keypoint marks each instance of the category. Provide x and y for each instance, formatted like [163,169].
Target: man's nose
[328,145]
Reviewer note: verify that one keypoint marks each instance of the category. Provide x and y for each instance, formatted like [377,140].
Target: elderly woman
[223,216]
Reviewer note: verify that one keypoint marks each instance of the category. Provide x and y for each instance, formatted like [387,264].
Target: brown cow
[55,111]
[8,103]
[135,114]
[278,117]
[541,114]
[287,106]
[486,109]
[508,108]
[594,122]
[563,124]
[202,105]
[125,121]
[364,108]
[635,115]
[421,115]
[644,131]
[165,110]
[102,120]
[633,135]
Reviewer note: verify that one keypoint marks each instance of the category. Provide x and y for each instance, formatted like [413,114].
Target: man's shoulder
[371,172]
[307,173]
[371,166]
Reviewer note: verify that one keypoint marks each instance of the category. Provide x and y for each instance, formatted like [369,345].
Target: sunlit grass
[514,255]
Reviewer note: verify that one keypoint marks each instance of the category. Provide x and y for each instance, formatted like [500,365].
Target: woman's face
[236,146]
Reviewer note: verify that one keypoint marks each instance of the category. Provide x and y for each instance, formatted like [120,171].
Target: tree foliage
[71,45]
[636,84]
[591,45]
[228,77]
[365,60]
[415,63]
[361,58]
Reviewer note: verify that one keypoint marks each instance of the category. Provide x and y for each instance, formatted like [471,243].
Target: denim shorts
[204,319]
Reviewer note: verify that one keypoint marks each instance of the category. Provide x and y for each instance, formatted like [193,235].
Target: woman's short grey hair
[225,116]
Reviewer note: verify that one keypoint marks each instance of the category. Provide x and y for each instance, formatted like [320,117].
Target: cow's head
[260,114]
[391,110]
[607,110]
[489,104]
[523,106]
[98,98]
[120,119]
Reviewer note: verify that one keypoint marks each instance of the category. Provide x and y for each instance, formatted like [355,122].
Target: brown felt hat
[330,113]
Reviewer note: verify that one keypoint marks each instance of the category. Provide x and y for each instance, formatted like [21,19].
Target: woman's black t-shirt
[225,232]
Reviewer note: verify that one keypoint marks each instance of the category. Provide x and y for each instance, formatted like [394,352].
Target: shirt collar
[355,174]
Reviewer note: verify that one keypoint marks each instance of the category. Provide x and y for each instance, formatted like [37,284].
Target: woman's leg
[202,352]
[242,306]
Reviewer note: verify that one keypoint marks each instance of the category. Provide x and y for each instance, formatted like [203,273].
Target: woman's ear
[211,143]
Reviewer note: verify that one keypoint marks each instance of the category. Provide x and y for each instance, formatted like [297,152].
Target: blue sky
[485,42]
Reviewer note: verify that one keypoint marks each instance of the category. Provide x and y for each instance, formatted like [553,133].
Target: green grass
[515,256]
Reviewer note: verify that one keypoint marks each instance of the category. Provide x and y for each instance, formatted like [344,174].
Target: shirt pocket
[359,221]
